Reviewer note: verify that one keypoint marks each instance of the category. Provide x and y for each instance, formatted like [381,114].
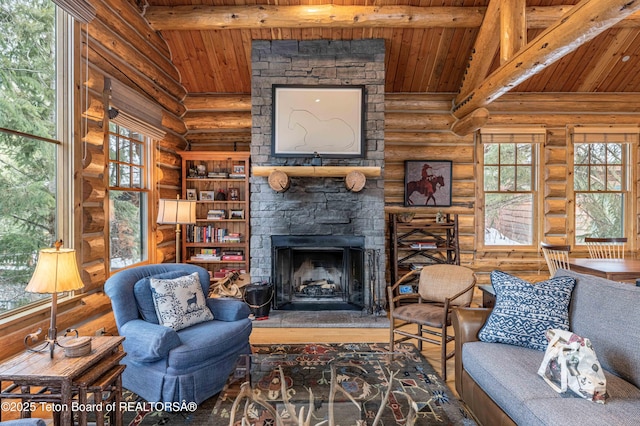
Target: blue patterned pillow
[524,311]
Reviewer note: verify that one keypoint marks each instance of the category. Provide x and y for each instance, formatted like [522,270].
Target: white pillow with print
[180,302]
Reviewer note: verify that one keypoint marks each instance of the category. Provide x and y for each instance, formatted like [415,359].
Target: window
[128,196]
[509,183]
[600,183]
[33,141]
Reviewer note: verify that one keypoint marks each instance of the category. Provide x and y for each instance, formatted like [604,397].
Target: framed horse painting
[323,120]
[427,183]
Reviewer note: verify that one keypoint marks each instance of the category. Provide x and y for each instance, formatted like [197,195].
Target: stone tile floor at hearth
[323,319]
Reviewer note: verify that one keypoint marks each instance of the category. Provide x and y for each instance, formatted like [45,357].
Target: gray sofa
[165,365]
[500,385]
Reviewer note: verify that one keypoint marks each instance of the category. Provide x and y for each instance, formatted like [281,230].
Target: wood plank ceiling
[421,59]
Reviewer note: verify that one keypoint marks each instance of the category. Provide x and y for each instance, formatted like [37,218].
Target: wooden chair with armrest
[606,248]
[441,287]
[557,256]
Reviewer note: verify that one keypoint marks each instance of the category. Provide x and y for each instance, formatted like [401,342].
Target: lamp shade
[176,211]
[56,272]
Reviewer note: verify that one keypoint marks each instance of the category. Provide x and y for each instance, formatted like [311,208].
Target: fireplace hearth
[318,272]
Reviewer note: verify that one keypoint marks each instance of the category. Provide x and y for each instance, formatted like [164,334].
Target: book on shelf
[233,255]
[237,175]
[210,254]
[216,214]
[218,175]
[419,245]
[233,252]
[205,234]
[206,257]
[238,257]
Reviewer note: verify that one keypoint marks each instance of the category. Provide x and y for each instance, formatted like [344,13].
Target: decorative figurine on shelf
[220,195]
[234,194]
[440,217]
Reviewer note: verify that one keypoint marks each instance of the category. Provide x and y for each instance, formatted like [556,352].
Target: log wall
[218,122]
[417,126]
[120,45]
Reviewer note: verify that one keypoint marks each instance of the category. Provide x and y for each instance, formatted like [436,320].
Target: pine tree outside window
[601,183]
[128,197]
[35,188]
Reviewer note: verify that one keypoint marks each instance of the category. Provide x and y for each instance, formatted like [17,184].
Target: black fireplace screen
[318,272]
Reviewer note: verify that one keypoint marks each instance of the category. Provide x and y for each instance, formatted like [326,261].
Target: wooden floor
[347,335]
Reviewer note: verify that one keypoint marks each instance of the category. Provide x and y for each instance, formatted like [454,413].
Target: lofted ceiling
[430,54]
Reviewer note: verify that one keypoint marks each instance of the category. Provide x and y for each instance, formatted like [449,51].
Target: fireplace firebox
[318,272]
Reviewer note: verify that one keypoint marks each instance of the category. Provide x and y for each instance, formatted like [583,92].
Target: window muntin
[35,37]
[128,197]
[509,190]
[600,185]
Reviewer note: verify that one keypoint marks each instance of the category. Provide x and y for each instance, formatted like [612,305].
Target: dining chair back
[557,256]
[606,248]
[440,288]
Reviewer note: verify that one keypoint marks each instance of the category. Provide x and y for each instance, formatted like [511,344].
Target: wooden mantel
[316,171]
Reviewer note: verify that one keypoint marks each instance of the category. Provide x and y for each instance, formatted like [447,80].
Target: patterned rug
[357,383]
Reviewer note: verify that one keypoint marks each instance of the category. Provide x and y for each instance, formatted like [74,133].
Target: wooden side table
[57,380]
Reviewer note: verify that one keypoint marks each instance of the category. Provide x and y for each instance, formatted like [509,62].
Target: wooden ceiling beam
[505,25]
[513,28]
[310,16]
[582,23]
[484,49]
[204,17]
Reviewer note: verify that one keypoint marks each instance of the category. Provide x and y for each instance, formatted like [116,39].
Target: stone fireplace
[318,213]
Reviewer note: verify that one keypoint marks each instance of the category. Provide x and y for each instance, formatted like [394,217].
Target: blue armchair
[165,365]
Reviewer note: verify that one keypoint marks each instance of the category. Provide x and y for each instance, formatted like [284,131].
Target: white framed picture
[207,195]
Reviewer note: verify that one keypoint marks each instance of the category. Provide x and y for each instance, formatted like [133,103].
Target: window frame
[629,193]
[536,153]
[145,188]
[64,118]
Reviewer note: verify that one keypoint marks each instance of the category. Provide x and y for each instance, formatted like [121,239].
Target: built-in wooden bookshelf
[219,183]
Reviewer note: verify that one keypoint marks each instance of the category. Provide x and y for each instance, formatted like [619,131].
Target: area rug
[414,394]
[352,384]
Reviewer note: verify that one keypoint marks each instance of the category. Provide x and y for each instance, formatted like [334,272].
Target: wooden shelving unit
[222,225]
[422,241]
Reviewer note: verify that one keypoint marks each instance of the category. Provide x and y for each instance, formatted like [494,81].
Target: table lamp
[56,272]
[178,212]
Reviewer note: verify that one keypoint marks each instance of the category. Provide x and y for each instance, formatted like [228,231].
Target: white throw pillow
[180,302]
